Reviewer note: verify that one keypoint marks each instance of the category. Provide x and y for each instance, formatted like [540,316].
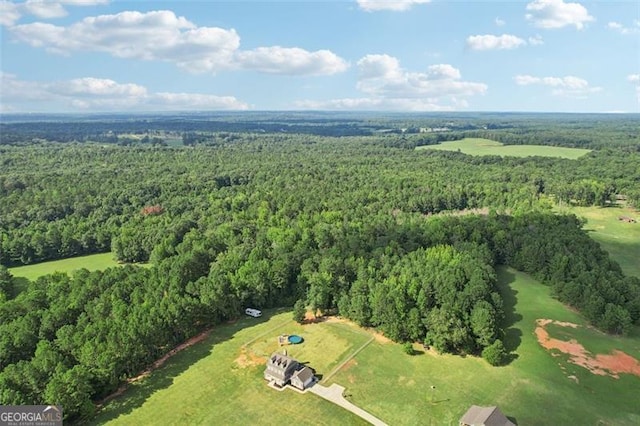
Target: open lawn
[620,239]
[93,262]
[477,146]
[535,388]
[220,380]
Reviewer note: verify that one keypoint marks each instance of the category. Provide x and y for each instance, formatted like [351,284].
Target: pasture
[478,146]
[92,262]
[219,381]
[619,238]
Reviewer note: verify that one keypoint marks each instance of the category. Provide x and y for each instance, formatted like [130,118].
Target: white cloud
[622,29]
[381,75]
[492,42]
[557,14]
[394,5]
[90,87]
[292,61]
[163,36]
[99,94]
[387,86]
[570,86]
[44,9]
[499,22]
[10,11]
[536,40]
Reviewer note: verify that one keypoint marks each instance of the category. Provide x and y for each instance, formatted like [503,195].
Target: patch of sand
[248,358]
[380,338]
[601,364]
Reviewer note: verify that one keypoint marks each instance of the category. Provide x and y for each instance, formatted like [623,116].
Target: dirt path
[157,364]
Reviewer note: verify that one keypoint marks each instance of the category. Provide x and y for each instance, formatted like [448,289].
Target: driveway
[334,393]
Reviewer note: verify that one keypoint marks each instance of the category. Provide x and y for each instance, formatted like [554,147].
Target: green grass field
[477,146]
[220,380]
[93,262]
[620,239]
[533,389]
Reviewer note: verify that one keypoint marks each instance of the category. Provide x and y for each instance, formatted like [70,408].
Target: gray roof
[281,361]
[305,374]
[485,416]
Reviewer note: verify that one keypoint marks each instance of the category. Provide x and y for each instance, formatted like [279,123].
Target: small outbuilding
[485,416]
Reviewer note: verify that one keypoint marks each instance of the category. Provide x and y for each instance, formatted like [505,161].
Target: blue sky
[402,55]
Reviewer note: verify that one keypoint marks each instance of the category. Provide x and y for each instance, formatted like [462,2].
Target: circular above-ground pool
[294,339]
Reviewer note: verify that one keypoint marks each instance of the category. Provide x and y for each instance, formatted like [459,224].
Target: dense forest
[363,226]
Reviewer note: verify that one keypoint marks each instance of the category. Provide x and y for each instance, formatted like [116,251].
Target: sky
[87,56]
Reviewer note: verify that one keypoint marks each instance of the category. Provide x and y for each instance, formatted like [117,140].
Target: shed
[484,416]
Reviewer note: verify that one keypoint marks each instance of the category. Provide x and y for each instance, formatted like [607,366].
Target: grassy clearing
[93,262]
[534,388]
[620,239]
[478,146]
[220,380]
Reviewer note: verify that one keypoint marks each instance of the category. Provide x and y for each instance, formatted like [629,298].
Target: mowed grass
[93,262]
[620,239]
[220,380]
[478,146]
[534,389]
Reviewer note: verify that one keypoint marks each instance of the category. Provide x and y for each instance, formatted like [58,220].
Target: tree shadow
[19,284]
[137,393]
[512,337]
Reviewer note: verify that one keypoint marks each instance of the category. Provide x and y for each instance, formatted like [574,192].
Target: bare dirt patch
[349,364]
[248,358]
[601,364]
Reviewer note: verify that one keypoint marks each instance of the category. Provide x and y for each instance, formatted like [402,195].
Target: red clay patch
[601,364]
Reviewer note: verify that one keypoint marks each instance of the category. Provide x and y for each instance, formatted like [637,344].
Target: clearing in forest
[92,262]
[220,381]
[618,237]
[478,146]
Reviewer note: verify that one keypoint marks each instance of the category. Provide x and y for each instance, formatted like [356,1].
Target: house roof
[485,416]
[281,361]
[305,374]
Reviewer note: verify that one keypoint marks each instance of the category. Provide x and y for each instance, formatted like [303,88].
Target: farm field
[478,146]
[211,382]
[620,239]
[92,262]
